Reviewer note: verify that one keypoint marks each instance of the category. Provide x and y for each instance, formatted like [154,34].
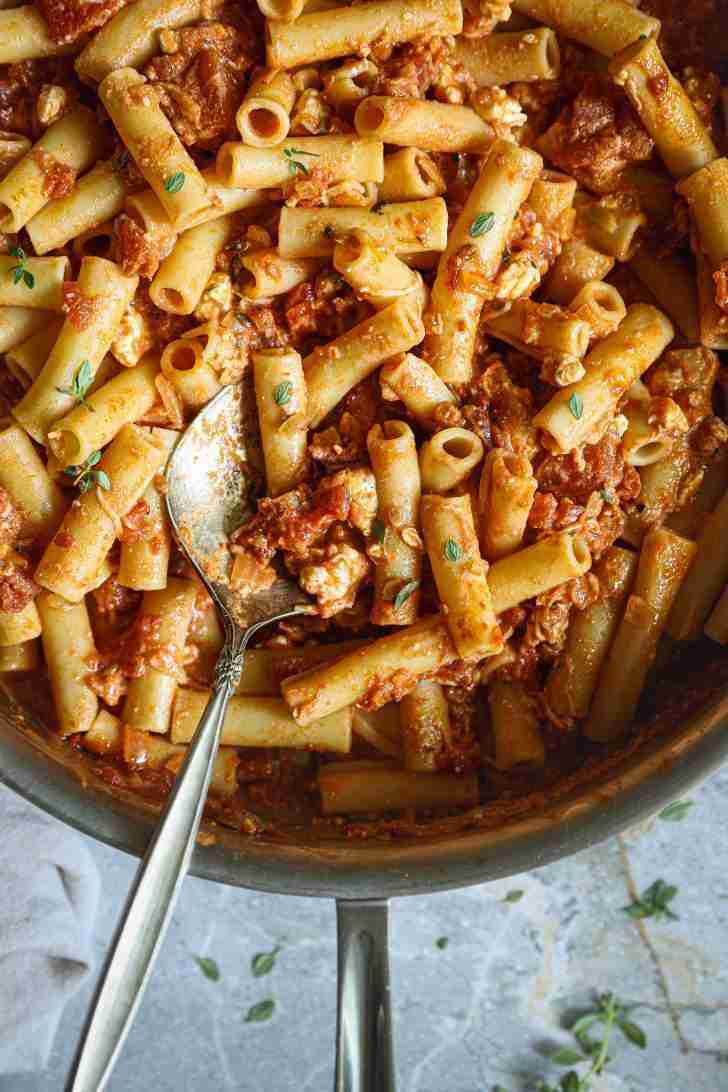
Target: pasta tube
[264,117]
[68,645]
[413,382]
[325,35]
[143,563]
[664,561]
[600,306]
[410,175]
[23,657]
[706,578]
[577,265]
[517,736]
[507,489]
[33,282]
[460,575]
[423,123]
[66,148]
[544,331]
[149,699]
[351,787]
[92,425]
[448,459]
[182,276]
[280,393]
[523,56]
[606,26]
[17,324]
[407,228]
[265,273]
[32,490]
[425,718]
[96,198]
[332,370]
[573,679]
[706,193]
[665,110]
[377,275]
[157,150]
[87,533]
[262,722]
[131,38]
[183,363]
[26,360]
[393,454]
[340,158]
[577,412]
[24,36]
[86,335]
[473,255]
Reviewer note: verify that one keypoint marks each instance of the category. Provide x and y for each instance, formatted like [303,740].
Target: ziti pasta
[471,275]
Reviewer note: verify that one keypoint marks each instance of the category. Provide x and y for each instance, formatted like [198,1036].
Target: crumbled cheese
[52,104]
[216,298]
[335,581]
[133,338]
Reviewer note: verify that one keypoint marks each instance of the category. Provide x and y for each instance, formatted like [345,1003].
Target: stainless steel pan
[689,742]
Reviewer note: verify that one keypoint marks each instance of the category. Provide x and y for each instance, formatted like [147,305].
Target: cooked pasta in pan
[470,263]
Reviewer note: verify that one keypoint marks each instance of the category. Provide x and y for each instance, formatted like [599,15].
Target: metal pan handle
[364,1055]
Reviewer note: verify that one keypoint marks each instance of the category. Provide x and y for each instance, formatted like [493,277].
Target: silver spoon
[207,498]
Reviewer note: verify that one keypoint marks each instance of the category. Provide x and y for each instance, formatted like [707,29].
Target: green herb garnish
[257,1014]
[653,903]
[19,272]
[264,962]
[442,943]
[295,164]
[79,388]
[404,593]
[606,1015]
[86,476]
[452,550]
[208,967]
[482,224]
[576,405]
[514,896]
[379,530]
[282,393]
[175,182]
[676,811]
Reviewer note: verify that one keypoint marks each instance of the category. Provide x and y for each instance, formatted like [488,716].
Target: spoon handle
[154,894]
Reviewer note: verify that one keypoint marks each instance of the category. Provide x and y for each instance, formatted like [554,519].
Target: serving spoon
[208,497]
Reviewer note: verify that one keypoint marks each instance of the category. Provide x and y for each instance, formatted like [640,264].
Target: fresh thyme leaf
[482,224]
[19,272]
[404,593]
[282,393]
[452,550]
[653,903]
[264,962]
[379,530]
[260,1012]
[85,476]
[208,967]
[175,182]
[576,405]
[676,811]
[514,896]
[570,1083]
[442,943]
[566,1056]
[633,1032]
[296,164]
[79,388]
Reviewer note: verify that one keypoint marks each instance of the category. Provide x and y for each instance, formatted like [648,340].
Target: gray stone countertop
[471,1015]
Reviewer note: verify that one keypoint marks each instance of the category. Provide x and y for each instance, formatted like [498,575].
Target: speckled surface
[472,1015]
